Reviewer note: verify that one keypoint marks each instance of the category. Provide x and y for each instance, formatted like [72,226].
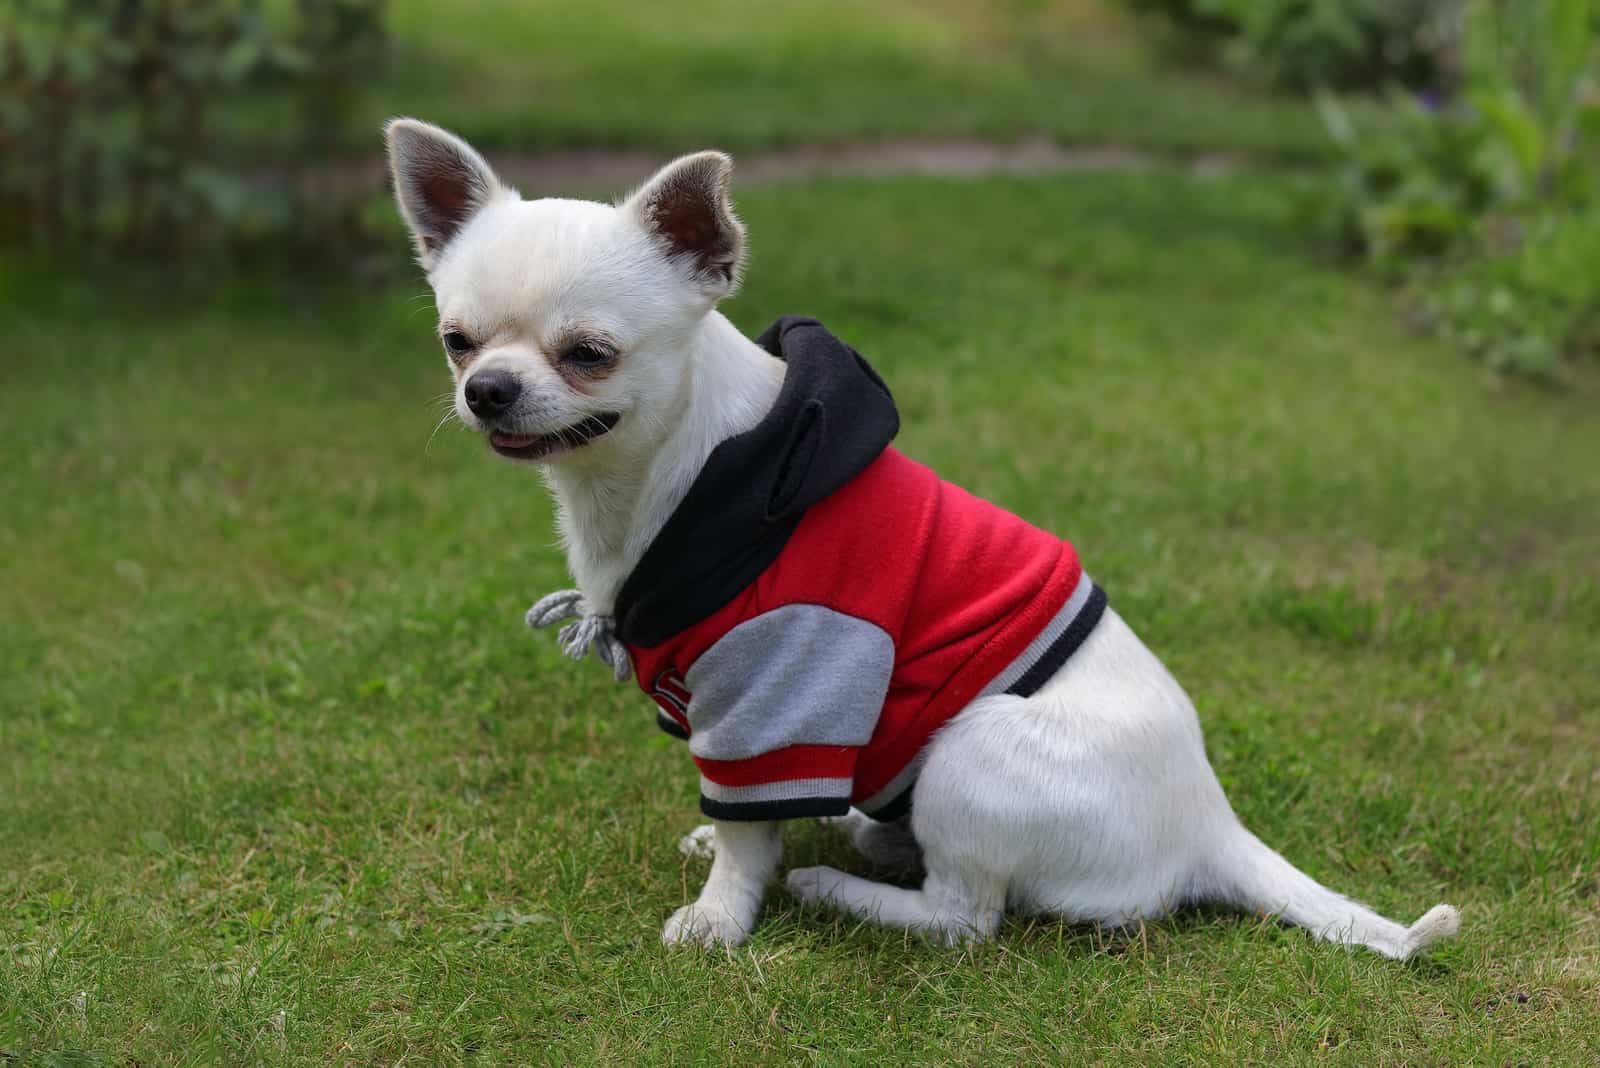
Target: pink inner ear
[690,226]
[446,194]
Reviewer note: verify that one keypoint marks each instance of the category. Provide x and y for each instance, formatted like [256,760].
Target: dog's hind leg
[947,909]
[890,845]
[1246,872]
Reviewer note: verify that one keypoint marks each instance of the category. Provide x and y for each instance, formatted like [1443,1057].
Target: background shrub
[1488,203]
[1309,43]
[109,118]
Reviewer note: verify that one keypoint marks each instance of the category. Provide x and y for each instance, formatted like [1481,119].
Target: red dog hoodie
[819,605]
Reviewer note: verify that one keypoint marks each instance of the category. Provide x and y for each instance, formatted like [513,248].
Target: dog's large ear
[685,208]
[440,182]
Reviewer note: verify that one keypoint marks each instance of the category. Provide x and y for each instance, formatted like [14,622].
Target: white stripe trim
[899,784]
[787,790]
[1045,639]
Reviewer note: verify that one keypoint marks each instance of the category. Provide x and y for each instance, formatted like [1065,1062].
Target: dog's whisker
[445,418]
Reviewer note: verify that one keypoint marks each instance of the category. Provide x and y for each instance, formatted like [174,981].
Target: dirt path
[546,173]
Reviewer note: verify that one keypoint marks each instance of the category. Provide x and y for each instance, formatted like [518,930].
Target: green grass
[570,73]
[283,777]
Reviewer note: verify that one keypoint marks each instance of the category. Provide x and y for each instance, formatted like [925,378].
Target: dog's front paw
[704,925]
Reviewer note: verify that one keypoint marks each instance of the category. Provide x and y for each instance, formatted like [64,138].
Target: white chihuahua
[835,631]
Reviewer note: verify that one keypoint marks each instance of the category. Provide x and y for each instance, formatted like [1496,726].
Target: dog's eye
[590,354]
[457,344]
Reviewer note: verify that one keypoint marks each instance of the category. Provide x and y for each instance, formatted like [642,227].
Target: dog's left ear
[685,208]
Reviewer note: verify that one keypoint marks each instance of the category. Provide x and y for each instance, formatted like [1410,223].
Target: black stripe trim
[1049,662]
[671,726]
[788,809]
[896,809]
[1051,659]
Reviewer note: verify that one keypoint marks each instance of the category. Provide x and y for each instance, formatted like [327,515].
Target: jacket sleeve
[781,705]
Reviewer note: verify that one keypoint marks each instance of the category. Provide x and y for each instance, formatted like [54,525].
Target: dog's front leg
[747,855]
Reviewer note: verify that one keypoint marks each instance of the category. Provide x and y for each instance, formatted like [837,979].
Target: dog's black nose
[490,393]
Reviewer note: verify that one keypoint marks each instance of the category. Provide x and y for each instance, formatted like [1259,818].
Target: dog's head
[566,323]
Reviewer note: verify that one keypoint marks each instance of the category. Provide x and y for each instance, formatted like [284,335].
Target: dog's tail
[1248,874]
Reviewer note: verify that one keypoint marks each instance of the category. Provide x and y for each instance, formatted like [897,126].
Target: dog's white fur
[1092,800]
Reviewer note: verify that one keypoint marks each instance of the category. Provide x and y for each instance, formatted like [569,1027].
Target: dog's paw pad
[700,843]
[703,925]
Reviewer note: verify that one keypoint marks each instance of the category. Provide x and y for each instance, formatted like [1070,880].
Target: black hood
[832,418]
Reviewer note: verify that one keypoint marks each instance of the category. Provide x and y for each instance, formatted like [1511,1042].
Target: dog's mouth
[538,446]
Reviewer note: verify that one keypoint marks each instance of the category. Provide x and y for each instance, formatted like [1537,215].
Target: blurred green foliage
[1488,202]
[109,119]
[1308,43]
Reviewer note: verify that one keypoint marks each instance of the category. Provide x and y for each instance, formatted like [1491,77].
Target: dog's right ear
[440,183]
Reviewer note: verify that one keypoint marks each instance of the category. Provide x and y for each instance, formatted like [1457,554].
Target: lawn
[571,73]
[282,776]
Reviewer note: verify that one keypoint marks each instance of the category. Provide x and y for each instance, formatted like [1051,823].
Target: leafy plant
[1489,204]
[1531,69]
[1310,43]
[110,115]
[1415,191]
[1531,308]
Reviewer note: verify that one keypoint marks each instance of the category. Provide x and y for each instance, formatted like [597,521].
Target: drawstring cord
[591,631]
